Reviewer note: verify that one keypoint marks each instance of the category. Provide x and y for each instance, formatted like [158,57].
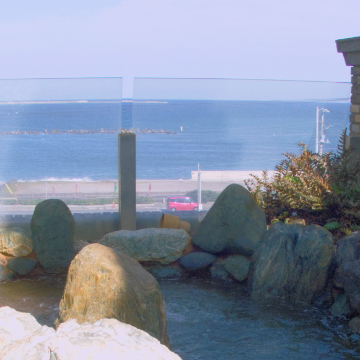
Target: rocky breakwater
[104,283]
[85,132]
[22,337]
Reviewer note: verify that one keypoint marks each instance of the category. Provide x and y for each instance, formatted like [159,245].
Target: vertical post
[127,180]
[46,190]
[317,130]
[322,141]
[199,189]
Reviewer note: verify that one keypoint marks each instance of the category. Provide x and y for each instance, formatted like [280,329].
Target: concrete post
[351,51]
[127,180]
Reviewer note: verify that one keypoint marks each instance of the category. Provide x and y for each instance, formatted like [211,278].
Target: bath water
[207,320]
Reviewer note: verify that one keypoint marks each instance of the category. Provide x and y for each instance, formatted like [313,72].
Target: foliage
[206,195]
[144,200]
[321,189]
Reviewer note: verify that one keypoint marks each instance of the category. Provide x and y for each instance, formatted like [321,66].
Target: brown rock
[103,283]
[15,242]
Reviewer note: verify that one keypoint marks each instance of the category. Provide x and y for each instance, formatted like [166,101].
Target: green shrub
[144,200]
[206,195]
[320,189]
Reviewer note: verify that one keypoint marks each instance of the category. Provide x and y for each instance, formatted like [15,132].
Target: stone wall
[350,48]
[355,109]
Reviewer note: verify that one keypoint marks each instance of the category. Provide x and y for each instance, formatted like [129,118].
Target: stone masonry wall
[355,109]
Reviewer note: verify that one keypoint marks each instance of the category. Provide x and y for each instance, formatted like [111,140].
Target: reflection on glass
[229,127]
[58,135]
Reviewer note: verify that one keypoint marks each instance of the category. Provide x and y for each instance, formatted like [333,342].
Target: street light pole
[317,130]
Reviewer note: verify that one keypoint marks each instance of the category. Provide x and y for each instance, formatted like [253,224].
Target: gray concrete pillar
[127,180]
[350,48]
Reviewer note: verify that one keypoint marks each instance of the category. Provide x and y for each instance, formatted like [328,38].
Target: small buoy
[181,128]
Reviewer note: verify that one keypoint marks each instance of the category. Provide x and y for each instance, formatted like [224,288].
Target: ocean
[217,135]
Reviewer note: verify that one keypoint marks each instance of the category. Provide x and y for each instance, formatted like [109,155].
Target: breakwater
[82,131]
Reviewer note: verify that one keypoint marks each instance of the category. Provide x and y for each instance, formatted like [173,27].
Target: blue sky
[256,39]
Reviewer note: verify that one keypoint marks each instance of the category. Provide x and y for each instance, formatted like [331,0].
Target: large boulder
[156,245]
[52,228]
[235,223]
[105,339]
[15,242]
[294,262]
[104,283]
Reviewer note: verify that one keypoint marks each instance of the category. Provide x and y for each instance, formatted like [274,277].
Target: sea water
[218,135]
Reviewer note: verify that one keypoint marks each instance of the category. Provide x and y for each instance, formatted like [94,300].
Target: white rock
[30,347]
[105,339]
[14,325]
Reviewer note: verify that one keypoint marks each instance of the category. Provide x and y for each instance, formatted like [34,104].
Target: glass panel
[59,139]
[228,127]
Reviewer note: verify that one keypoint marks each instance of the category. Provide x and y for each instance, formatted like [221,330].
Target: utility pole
[199,189]
[322,140]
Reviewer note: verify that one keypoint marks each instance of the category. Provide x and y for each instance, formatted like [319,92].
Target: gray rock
[340,307]
[354,324]
[348,248]
[79,245]
[15,242]
[351,280]
[6,274]
[339,277]
[52,227]
[196,260]
[105,339]
[235,223]
[294,262]
[159,245]
[165,272]
[237,266]
[21,266]
[218,272]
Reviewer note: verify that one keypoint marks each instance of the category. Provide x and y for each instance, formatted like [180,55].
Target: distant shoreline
[84,132]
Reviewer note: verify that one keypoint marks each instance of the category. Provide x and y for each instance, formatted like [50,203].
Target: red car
[178,203]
